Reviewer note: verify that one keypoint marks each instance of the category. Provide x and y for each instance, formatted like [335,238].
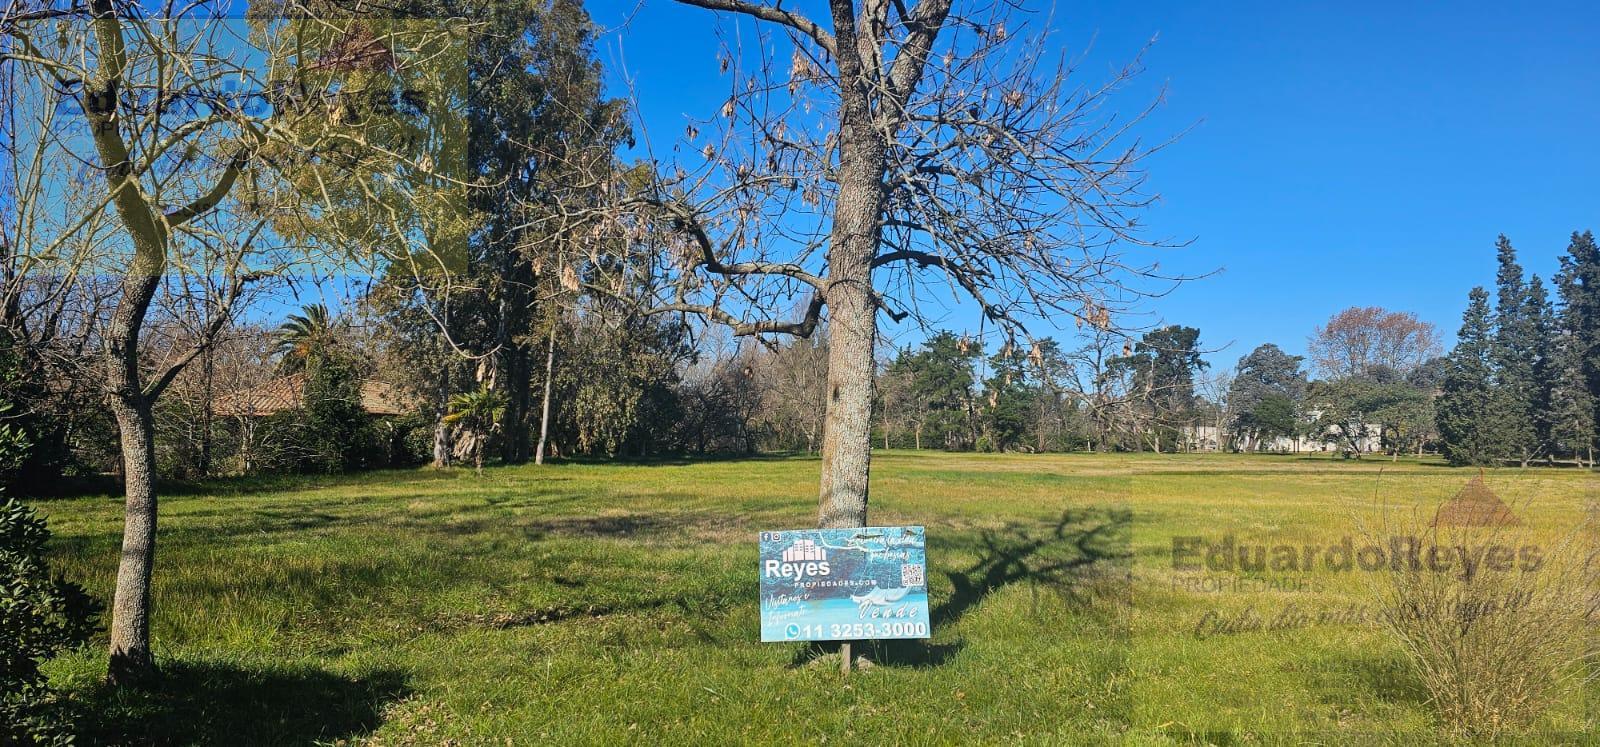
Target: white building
[1212,438]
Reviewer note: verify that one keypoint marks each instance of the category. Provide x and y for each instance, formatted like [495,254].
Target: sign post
[844,585]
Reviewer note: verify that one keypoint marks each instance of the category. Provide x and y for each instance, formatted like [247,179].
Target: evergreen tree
[1265,395]
[1542,321]
[1007,396]
[1512,351]
[943,380]
[1575,394]
[1164,364]
[41,614]
[1466,404]
[334,431]
[1272,417]
[1570,418]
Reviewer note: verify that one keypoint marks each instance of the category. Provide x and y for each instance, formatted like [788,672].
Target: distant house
[378,398]
[1211,438]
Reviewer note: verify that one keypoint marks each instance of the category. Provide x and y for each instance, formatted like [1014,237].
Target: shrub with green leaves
[39,616]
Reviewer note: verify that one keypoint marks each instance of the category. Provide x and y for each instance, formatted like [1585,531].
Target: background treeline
[1518,387]
[1521,383]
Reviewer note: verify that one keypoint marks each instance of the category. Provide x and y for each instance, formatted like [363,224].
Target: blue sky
[1341,153]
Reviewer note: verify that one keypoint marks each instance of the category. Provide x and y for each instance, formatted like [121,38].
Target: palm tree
[305,337]
[477,411]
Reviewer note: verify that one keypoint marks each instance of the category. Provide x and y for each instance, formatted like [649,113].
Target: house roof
[288,392]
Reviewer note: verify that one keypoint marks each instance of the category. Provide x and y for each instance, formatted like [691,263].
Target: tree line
[1521,383]
[1518,387]
[1515,388]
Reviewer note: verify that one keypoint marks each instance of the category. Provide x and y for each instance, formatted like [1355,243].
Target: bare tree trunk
[847,427]
[852,311]
[208,370]
[130,658]
[443,449]
[130,608]
[544,409]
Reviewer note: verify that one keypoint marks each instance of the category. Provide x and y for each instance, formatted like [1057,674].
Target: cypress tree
[1575,400]
[1512,352]
[1545,331]
[1466,402]
[1572,405]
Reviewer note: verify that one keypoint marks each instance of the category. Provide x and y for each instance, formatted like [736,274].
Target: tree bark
[847,425]
[208,372]
[852,309]
[516,361]
[544,408]
[130,609]
[443,449]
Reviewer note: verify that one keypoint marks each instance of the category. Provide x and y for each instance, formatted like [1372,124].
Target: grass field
[588,603]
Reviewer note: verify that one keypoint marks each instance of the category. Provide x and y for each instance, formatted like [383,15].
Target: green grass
[595,603]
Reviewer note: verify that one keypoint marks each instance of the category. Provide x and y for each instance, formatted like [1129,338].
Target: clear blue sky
[1342,153]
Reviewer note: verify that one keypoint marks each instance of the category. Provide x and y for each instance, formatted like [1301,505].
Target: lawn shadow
[215,703]
[1390,679]
[684,460]
[233,486]
[617,526]
[1072,558]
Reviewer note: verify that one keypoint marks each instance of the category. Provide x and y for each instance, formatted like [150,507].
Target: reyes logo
[801,559]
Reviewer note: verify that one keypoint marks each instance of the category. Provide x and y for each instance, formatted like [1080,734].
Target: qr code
[911,574]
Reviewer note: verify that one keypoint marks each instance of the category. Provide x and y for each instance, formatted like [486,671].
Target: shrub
[39,616]
[1496,643]
[408,439]
[336,432]
[330,433]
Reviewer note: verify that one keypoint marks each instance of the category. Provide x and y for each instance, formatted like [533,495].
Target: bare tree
[1361,339]
[904,154]
[1217,407]
[1102,389]
[793,382]
[189,165]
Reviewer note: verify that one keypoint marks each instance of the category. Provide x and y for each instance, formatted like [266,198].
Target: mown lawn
[590,603]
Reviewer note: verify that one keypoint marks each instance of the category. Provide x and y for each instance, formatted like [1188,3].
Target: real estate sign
[844,584]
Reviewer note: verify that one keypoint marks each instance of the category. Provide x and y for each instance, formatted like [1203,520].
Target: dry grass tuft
[1494,615]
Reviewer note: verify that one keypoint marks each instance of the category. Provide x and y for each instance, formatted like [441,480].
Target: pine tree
[1545,328]
[1466,404]
[1514,401]
[1575,398]
[1571,414]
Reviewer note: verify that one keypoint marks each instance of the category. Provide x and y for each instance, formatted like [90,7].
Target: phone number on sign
[857,630]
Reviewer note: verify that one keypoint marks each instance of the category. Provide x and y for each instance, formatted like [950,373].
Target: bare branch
[774,14]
